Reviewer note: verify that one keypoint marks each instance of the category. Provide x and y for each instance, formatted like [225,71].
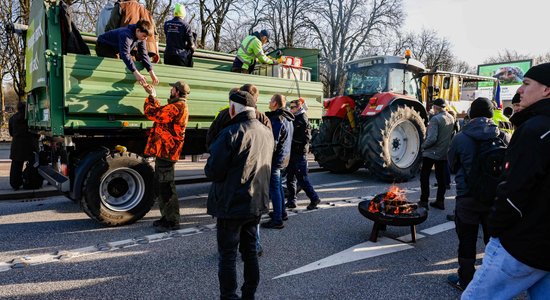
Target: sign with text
[35,62]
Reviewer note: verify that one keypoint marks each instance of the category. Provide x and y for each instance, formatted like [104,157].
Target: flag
[497,96]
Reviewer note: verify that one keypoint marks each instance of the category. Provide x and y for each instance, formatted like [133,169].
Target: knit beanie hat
[540,73]
[179,11]
[481,107]
[244,98]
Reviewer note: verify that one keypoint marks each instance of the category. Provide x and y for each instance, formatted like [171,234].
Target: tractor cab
[369,76]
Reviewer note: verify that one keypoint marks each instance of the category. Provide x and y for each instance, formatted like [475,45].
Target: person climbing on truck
[120,42]
[251,51]
[165,143]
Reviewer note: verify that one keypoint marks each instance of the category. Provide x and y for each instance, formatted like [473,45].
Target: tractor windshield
[366,80]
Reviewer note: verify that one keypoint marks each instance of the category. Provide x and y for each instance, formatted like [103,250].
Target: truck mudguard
[84,165]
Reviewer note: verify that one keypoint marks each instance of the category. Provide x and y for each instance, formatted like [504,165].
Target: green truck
[89,113]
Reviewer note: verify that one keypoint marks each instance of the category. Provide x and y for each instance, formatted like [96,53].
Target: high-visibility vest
[250,50]
[502,121]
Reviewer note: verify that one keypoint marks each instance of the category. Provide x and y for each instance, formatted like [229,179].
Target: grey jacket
[240,169]
[438,138]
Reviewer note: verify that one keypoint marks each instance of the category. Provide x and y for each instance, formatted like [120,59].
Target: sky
[479,29]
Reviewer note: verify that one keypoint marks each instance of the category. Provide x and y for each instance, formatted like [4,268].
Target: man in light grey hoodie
[434,152]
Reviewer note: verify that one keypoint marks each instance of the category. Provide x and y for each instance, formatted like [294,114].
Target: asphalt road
[51,250]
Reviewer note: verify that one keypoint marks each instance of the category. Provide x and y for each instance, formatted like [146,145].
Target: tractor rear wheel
[335,146]
[390,143]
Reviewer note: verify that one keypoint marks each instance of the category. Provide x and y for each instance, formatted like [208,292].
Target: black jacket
[302,134]
[179,37]
[460,156]
[521,216]
[23,143]
[281,125]
[240,168]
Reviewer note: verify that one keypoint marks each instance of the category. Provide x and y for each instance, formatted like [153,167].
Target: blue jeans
[297,171]
[233,234]
[277,195]
[501,276]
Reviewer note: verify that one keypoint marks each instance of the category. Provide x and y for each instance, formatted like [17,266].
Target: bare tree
[342,28]
[285,18]
[13,44]
[506,56]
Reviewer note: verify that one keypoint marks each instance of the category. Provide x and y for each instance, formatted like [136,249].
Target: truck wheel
[117,190]
[390,143]
[334,146]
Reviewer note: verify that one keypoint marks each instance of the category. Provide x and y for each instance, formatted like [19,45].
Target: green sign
[510,73]
[35,62]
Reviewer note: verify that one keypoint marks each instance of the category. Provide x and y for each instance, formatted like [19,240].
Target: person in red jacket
[165,143]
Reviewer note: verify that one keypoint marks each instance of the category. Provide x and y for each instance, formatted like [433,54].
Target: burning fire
[392,202]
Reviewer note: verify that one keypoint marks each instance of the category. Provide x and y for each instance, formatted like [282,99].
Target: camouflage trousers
[165,190]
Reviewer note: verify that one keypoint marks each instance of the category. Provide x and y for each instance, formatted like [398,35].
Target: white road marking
[357,252]
[439,228]
[338,183]
[408,238]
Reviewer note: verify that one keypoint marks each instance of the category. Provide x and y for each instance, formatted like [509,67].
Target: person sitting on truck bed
[165,143]
[121,41]
[179,40]
[249,51]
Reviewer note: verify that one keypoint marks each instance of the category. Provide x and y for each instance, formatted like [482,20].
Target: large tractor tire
[118,190]
[335,146]
[390,143]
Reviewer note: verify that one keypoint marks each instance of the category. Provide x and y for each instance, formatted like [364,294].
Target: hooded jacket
[520,217]
[167,134]
[438,137]
[240,169]
[301,135]
[283,129]
[460,157]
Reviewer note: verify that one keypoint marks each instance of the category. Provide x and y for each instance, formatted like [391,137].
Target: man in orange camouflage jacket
[165,143]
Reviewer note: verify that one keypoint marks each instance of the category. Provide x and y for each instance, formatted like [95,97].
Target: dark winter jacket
[223,118]
[302,134]
[240,168]
[438,136]
[23,143]
[281,125]
[72,40]
[522,208]
[124,39]
[460,157]
[179,37]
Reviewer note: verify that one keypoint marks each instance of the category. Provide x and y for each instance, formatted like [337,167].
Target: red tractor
[380,121]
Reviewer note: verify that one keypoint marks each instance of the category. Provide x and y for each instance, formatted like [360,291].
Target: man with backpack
[517,257]
[480,142]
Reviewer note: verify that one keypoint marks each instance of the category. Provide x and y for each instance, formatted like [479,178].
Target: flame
[394,202]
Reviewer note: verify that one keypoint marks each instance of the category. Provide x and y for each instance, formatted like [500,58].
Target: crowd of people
[249,148]
[509,199]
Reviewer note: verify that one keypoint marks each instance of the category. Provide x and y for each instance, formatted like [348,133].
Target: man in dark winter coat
[179,40]
[297,166]
[23,145]
[434,152]
[281,124]
[239,167]
[469,212]
[517,257]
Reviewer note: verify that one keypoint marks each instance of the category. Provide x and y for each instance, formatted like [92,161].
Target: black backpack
[487,170]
